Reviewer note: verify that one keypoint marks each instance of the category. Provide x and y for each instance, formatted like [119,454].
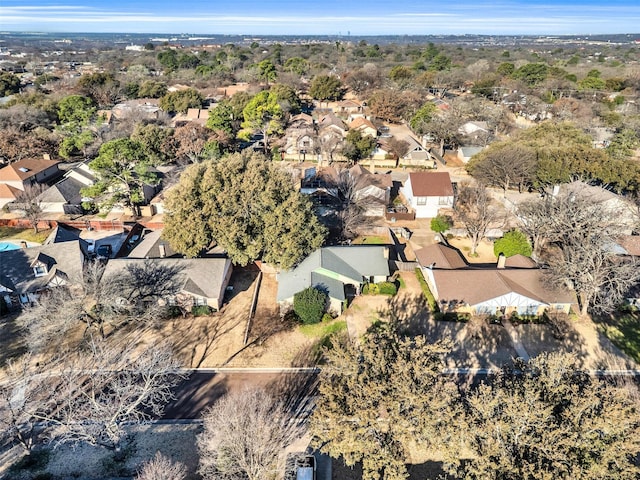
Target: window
[200,301]
[421,200]
[40,270]
[443,201]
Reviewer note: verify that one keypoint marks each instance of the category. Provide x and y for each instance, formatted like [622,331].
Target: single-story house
[339,271]
[26,272]
[203,280]
[428,192]
[514,284]
[364,126]
[465,152]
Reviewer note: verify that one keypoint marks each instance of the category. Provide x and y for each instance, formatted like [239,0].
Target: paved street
[202,389]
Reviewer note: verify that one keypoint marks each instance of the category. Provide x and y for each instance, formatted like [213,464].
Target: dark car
[104,251]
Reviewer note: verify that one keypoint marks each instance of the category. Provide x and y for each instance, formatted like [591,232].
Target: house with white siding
[428,192]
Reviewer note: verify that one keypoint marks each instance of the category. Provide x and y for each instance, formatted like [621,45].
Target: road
[203,388]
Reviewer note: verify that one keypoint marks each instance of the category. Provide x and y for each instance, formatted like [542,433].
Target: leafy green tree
[440,63]
[326,87]
[623,144]
[286,97]
[168,59]
[441,223]
[380,396]
[75,113]
[76,109]
[9,84]
[245,204]
[103,88]
[263,114]
[531,73]
[514,242]
[152,89]
[156,141]
[506,69]
[401,74]
[547,418]
[122,169]
[358,146]
[267,71]
[181,100]
[420,121]
[310,304]
[296,65]
[222,119]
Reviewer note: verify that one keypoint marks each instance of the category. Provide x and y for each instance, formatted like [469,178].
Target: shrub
[433,305]
[441,223]
[387,288]
[200,310]
[37,460]
[310,304]
[512,243]
[327,318]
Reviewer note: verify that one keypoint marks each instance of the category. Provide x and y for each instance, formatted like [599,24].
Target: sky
[324,17]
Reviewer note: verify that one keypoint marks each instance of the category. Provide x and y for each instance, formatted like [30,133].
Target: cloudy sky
[331,17]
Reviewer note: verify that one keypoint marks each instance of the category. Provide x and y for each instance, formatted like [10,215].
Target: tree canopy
[326,87]
[514,242]
[245,204]
[377,397]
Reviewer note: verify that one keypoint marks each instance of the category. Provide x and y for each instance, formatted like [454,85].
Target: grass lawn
[323,329]
[370,240]
[9,233]
[624,332]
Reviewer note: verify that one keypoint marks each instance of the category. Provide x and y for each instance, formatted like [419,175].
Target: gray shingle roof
[16,271]
[354,262]
[65,191]
[149,247]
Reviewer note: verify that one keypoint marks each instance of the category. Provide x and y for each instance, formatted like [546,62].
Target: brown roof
[472,286]
[520,261]
[7,191]
[25,168]
[441,255]
[361,122]
[431,184]
[631,243]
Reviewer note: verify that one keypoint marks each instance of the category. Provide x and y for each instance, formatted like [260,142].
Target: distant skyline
[324,17]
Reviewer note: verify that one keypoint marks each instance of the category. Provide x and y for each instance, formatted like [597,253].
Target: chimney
[46,156]
[23,244]
[385,252]
[163,251]
[502,260]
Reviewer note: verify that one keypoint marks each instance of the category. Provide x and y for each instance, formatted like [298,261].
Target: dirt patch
[177,442]
[484,250]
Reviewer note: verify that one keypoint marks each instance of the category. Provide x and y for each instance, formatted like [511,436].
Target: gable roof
[66,190]
[353,262]
[64,260]
[361,122]
[202,277]
[25,168]
[440,256]
[9,192]
[63,233]
[149,247]
[520,261]
[431,184]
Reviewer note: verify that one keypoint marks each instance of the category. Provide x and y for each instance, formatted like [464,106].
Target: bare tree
[89,397]
[162,468]
[245,435]
[29,202]
[582,231]
[475,210]
[504,165]
[136,294]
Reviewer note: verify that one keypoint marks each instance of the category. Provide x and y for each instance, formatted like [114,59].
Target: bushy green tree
[181,100]
[514,242]
[9,84]
[310,304]
[379,397]
[441,223]
[325,88]
[358,146]
[420,120]
[547,418]
[245,204]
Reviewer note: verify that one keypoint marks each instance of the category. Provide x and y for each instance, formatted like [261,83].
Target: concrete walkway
[515,340]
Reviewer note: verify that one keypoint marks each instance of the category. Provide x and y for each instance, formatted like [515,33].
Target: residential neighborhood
[362,258]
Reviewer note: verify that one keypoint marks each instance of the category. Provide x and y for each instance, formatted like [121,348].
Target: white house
[428,192]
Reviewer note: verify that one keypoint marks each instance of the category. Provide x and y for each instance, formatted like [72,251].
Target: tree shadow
[194,395]
[12,343]
[297,392]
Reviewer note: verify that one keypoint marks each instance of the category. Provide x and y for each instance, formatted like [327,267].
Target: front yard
[624,331]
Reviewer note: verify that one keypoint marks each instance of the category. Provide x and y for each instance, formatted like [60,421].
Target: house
[64,197]
[29,172]
[26,272]
[333,123]
[625,210]
[339,271]
[203,280]
[474,129]
[153,245]
[300,141]
[142,108]
[514,284]
[348,107]
[364,126]
[8,194]
[465,152]
[428,192]
[417,155]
